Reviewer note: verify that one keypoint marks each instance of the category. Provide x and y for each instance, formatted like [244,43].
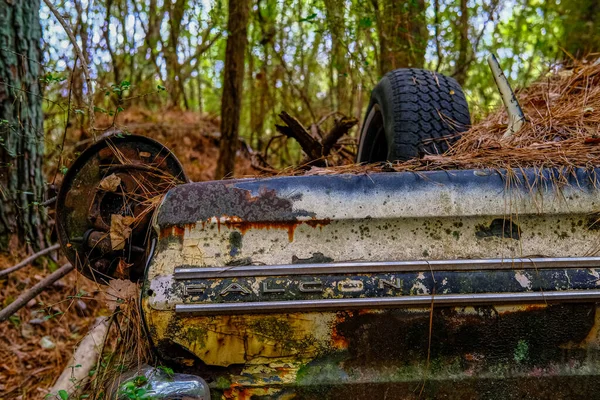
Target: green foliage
[310,18]
[50,78]
[521,351]
[136,389]
[168,371]
[15,320]
[121,87]
[307,58]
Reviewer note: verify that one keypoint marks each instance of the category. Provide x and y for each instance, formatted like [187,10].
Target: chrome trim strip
[365,267]
[386,302]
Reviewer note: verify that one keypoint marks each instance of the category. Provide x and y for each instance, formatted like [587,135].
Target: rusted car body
[448,284]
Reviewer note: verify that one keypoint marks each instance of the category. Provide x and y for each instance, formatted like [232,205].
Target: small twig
[62,144]
[84,66]
[265,152]
[48,202]
[38,288]
[327,116]
[29,259]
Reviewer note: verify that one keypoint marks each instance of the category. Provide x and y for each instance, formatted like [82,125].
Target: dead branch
[315,150]
[29,259]
[294,129]
[341,127]
[38,288]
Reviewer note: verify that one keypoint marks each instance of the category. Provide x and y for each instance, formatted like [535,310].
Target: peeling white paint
[595,274]
[523,279]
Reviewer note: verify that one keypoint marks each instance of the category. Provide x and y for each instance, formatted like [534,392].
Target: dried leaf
[119,292]
[110,183]
[122,271]
[120,230]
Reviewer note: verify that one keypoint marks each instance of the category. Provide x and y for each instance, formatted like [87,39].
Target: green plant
[168,371]
[521,351]
[136,389]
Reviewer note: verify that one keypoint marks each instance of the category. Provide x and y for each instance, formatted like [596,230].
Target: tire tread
[419,97]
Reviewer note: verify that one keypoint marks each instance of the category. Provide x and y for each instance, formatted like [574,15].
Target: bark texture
[233,80]
[21,126]
[339,55]
[463,44]
[403,34]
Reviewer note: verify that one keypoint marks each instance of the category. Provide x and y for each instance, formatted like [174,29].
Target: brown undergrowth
[36,342]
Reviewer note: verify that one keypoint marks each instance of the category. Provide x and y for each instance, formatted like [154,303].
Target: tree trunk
[337,28]
[21,126]
[402,28]
[233,80]
[176,12]
[463,44]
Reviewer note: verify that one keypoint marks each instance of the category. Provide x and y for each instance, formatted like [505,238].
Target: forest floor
[36,343]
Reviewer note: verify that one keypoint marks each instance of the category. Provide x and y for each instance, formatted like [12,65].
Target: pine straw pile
[562,131]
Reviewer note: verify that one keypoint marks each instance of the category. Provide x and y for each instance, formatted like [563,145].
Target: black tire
[412,112]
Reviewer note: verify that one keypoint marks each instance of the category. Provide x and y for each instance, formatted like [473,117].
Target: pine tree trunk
[233,80]
[402,28]
[339,56]
[176,12]
[463,44]
[21,126]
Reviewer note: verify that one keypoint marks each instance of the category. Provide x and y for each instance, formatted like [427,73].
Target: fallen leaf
[120,230]
[110,183]
[123,269]
[119,293]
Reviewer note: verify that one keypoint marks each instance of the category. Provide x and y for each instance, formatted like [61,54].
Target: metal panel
[384,266]
[358,303]
[500,283]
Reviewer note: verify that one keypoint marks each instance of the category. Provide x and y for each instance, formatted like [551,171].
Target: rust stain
[314,223]
[245,226]
[174,230]
[290,226]
[338,340]
[177,230]
[233,222]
